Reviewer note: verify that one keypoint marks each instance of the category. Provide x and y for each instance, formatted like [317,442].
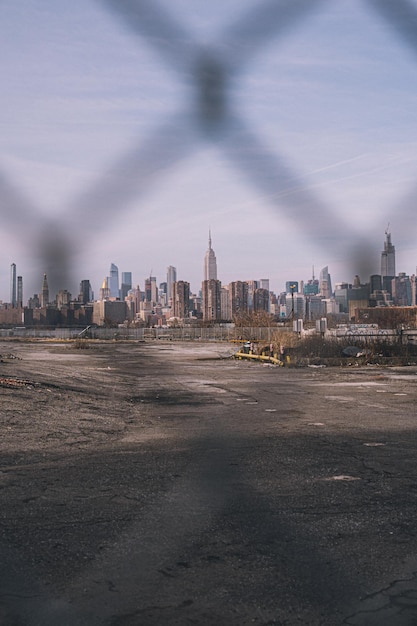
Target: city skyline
[121,302]
[114,287]
[104,155]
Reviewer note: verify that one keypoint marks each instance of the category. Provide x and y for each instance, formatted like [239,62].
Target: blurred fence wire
[208,117]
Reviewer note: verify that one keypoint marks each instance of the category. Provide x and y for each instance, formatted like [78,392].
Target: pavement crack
[397,597]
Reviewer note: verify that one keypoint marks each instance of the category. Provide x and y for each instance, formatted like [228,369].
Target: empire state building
[210,263]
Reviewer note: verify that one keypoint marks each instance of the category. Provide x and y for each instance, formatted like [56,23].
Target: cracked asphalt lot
[163,483]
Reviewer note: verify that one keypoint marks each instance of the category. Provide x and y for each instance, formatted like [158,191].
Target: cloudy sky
[129,128]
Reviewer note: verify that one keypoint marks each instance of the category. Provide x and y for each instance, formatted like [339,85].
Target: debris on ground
[16,382]
[9,357]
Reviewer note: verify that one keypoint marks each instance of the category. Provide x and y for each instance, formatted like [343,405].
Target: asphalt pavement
[163,483]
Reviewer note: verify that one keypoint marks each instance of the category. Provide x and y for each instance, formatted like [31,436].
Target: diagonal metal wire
[135,173]
[271,174]
[288,195]
[401,16]
[164,33]
[253,30]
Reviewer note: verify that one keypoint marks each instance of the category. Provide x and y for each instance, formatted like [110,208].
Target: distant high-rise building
[211,303]
[34,303]
[387,262]
[239,298]
[295,306]
[148,290]
[261,300]
[162,294]
[63,299]
[45,293]
[210,263]
[375,282]
[413,281]
[154,289]
[401,290]
[86,293]
[151,290]
[13,285]
[252,287]
[311,288]
[138,298]
[225,304]
[171,279]
[126,285]
[105,290]
[114,281]
[180,299]
[19,291]
[325,283]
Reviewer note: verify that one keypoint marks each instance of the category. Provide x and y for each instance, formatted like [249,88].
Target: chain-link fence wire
[208,118]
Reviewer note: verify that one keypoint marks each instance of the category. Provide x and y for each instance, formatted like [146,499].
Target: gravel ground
[163,484]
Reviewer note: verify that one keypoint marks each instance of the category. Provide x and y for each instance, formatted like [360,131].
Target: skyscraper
[180,299]
[225,304]
[105,290]
[261,300]
[19,291]
[86,293]
[211,303]
[325,283]
[137,296]
[151,290]
[126,284]
[45,293]
[171,279]
[387,262]
[401,290]
[114,281]
[210,263]
[252,287]
[239,298]
[13,285]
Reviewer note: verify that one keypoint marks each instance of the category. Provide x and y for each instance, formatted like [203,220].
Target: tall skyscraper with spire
[388,257]
[210,263]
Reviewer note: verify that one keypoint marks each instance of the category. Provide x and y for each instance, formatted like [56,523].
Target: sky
[302,155]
